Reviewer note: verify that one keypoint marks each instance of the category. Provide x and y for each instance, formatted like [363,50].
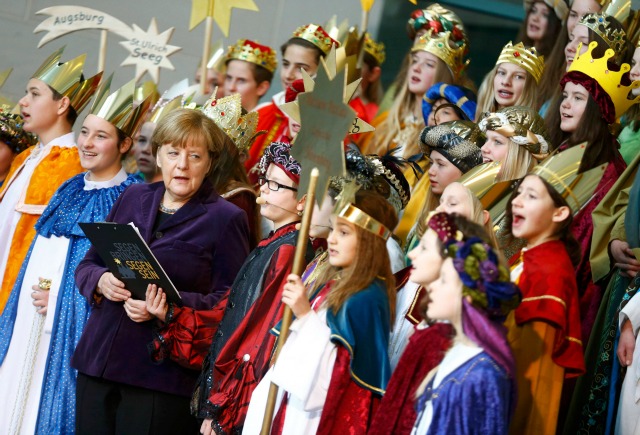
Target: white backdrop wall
[272,25]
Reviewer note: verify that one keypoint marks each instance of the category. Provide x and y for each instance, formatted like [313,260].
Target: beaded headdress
[455,141]
[227,114]
[521,124]
[373,172]
[66,79]
[607,80]
[375,49]
[600,24]
[439,19]
[117,108]
[524,57]
[253,52]
[11,132]
[317,36]
[279,153]
[438,44]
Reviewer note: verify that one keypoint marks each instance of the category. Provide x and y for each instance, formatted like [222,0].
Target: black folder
[129,258]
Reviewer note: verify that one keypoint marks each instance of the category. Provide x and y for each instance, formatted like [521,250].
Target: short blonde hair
[182,127]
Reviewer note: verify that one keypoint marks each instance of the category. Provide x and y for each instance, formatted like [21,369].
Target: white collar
[115,181]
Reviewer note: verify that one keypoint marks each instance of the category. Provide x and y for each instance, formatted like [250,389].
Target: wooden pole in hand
[287,316]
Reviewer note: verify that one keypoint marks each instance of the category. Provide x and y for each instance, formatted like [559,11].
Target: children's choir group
[473,271]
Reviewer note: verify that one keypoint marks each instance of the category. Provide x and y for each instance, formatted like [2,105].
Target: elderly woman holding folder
[201,241]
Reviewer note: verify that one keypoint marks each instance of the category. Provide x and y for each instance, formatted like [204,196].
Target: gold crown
[253,52]
[438,44]
[147,89]
[481,181]
[317,36]
[615,38]
[608,80]
[163,107]
[66,79]
[561,172]
[118,109]
[524,57]
[357,217]
[227,114]
[375,49]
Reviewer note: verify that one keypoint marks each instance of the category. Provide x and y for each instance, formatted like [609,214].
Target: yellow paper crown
[227,114]
[317,36]
[117,108]
[375,49]
[608,80]
[615,38]
[253,52]
[438,45]
[561,172]
[66,79]
[524,57]
[359,218]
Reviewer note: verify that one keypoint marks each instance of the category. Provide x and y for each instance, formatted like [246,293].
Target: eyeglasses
[274,185]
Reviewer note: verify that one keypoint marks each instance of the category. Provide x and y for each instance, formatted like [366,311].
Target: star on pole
[220,10]
[149,50]
[325,120]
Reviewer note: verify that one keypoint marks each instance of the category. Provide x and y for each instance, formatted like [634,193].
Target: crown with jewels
[524,57]
[438,44]
[12,133]
[615,38]
[439,19]
[317,36]
[609,81]
[66,79]
[375,49]
[227,114]
[117,108]
[253,52]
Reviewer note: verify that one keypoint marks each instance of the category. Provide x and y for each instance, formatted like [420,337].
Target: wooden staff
[287,316]
[103,50]
[206,50]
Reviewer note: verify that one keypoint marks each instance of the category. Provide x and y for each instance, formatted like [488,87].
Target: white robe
[303,370]
[22,371]
[628,419]
[19,183]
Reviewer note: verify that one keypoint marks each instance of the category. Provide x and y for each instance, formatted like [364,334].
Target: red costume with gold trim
[57,165]
[550,294]
[276,124]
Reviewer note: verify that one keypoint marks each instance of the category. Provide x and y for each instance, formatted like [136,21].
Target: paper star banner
[66,19]
[325,120]
[149,51]
[219,10]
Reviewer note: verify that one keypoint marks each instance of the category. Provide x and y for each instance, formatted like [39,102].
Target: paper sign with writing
[67,19]
[149,51]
